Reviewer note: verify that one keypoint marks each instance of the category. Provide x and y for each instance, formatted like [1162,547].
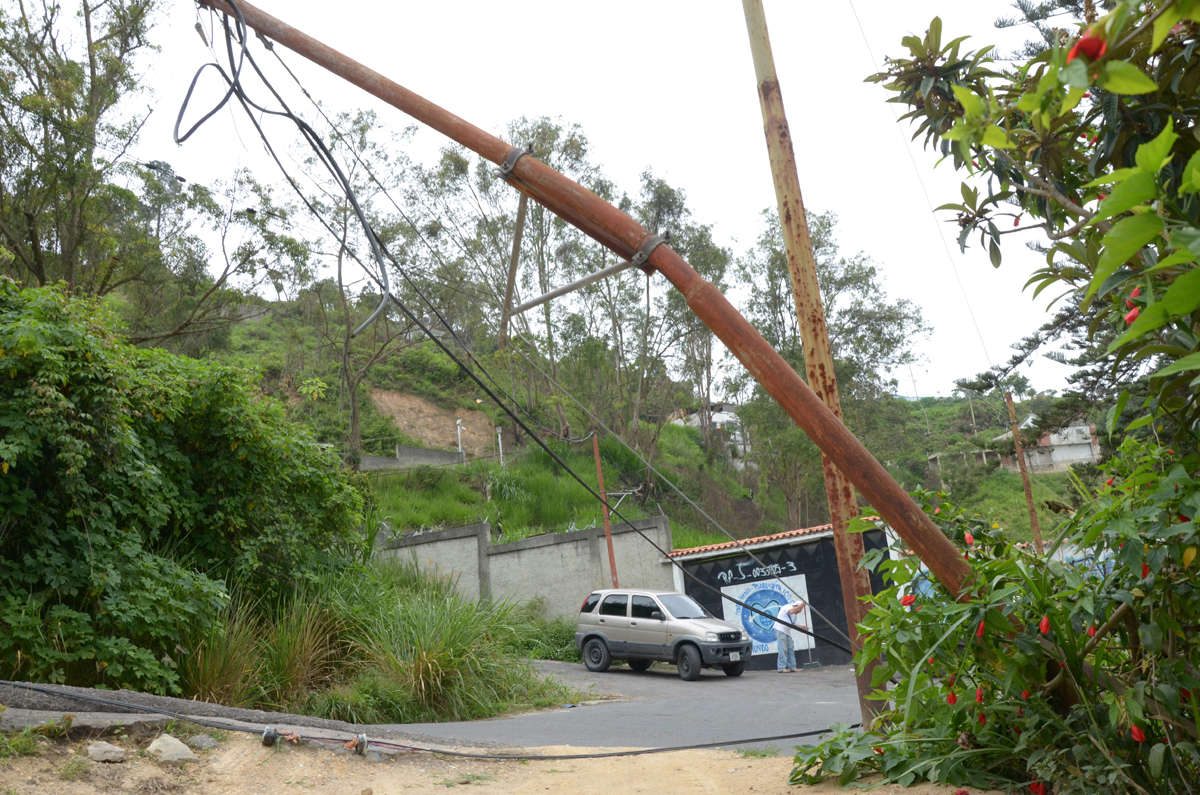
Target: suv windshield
[681,606]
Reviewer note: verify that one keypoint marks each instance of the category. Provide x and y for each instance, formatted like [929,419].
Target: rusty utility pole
[625,237]
[612,561]
[818,357]
[1016,432]
[518,231]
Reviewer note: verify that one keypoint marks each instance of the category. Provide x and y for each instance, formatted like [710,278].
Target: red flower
[1020,712]
[1087,95]
[1132,315]
[951,698]
[970,539]
[1185,694]
[1128,303]
[1017,729]
[1094,139]
[1136,292]
[931,661]
[961,792]
[1145,571]
[1090,46]
[979,632]
[1137,734]
[1024,694]
[1044,625]
[1017,221]
[979,695]
[879,750]
[936,511]
[982,719]
[1101,196]
[907,599]
[1037,788]
[1108,482]
[950,681]
[1091,630]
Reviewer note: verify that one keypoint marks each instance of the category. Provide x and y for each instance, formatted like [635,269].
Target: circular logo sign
[757,627]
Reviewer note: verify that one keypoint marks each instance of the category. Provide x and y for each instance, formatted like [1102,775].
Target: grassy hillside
[533,495]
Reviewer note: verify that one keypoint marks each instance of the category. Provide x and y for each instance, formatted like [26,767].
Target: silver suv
[644,626]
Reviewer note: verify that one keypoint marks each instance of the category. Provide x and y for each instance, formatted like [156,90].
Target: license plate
[735,656]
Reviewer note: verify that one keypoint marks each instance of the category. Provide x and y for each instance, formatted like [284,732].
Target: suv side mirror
[657,616]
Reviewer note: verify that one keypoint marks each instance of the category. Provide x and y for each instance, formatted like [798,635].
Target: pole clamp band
[510,160]
[643,254]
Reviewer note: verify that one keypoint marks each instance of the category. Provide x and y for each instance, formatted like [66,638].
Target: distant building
[1057,452]
[723,418]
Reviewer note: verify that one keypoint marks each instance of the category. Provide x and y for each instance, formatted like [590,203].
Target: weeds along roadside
[378,644]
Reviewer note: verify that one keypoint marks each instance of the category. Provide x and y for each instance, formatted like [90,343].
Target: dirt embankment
[434,426]
[240,765]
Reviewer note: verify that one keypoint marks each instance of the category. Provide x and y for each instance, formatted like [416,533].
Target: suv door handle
[633,623]
[602,621]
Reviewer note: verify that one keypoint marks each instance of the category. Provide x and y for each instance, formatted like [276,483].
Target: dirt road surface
[240,765]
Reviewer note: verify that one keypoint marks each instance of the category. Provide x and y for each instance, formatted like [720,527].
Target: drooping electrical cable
[925,192]
[739,542]
[238,35]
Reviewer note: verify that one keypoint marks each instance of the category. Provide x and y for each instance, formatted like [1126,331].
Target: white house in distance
[1057,452]
[724,417]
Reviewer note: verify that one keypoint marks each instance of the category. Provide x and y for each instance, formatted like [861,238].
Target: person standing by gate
[789,615]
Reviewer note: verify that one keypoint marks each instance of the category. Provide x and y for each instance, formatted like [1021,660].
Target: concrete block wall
[560,568]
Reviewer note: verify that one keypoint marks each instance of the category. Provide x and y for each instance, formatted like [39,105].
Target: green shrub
[1078,677]
[113,460]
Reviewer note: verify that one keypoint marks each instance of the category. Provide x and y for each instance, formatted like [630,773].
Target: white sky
[669,84]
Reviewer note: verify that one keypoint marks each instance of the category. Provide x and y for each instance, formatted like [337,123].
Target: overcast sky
[669,85]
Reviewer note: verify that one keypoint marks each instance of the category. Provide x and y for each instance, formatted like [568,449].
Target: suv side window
[643,606]
[590,603]
[616,604]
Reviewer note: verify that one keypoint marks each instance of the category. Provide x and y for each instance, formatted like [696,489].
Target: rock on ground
[169,749]
[105,752]
[202,742]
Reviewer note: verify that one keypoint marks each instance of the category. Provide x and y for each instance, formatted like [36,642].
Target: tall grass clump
[224,662]
[384,643]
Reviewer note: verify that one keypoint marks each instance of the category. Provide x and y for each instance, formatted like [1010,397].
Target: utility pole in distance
[1034,527]
[818,358]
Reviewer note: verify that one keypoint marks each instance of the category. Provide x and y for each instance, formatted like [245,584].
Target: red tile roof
[746,542]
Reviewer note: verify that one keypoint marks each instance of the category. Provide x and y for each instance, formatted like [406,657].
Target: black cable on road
[265,731]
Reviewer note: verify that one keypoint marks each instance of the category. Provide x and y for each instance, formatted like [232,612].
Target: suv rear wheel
[596,655]
[640,665]
[734,669]
[688,663]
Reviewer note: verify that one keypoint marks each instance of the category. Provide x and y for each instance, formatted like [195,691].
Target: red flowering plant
[1036,699]
[1089,142]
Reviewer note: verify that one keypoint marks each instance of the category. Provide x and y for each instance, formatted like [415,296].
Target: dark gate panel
[816,560]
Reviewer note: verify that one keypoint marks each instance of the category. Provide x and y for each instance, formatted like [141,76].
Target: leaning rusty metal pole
[1016,432]
[612,561]
[624,236]
[502,339]
[818,356]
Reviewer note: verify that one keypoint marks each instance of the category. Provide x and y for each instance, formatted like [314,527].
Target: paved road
[657,708]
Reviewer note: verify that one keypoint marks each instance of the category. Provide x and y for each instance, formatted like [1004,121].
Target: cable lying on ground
[360,743]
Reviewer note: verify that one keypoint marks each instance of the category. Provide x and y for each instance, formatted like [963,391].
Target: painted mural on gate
[767,596]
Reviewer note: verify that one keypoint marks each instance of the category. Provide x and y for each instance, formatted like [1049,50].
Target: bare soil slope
[434,426]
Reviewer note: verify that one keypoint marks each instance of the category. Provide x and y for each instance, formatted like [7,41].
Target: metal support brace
[639,260]
[510,160]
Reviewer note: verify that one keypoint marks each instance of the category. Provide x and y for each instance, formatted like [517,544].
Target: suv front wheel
[596,655]
[688,663]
